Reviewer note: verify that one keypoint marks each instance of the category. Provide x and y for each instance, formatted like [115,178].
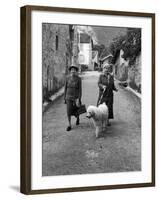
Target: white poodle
[100,117]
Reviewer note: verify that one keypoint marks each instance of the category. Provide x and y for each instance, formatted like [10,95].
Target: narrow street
[78,151]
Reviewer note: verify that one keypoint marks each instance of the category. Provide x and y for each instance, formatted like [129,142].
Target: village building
[95,60]
[58,48]
[121,66]
[107,59]
[85,45]
[126,73]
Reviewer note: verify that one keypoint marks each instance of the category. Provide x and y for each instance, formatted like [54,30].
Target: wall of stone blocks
[56,56]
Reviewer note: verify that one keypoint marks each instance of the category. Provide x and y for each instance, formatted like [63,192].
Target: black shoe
[109,124]
[68,128]
[77,121]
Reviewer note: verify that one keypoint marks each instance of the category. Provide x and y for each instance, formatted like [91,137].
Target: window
[57,42]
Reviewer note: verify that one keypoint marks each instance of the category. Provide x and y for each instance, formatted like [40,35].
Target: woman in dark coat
[72,94]
[106,88]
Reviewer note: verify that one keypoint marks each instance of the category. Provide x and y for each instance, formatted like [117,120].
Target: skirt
[109,102]
[71,108]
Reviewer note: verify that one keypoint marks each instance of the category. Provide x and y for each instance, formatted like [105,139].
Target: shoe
[77,121]
[68,128]
[109,124]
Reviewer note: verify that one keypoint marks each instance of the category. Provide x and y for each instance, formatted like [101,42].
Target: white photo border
[72,181]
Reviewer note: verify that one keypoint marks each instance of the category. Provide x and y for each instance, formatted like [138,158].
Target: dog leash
[101,96]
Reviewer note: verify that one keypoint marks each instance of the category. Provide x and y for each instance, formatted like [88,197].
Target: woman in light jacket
[106,88]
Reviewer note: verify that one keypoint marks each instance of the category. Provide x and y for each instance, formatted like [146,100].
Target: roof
[106,57]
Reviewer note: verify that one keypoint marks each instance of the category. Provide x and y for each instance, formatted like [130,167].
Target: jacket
[73,88]
[108,81]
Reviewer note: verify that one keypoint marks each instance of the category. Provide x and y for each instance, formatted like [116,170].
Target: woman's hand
[104,87]
[78,102]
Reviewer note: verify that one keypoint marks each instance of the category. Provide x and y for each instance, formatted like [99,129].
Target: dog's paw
[97,132]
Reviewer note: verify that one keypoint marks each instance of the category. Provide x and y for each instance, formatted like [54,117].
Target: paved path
[78,151]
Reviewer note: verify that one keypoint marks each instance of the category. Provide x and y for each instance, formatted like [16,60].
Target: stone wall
[131,75]
[56,57]
[134,75]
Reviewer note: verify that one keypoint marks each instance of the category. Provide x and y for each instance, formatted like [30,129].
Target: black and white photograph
[88,100]
[91,90]
[79,100]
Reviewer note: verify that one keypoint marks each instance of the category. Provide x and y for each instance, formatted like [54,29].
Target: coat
[108,81]
[73,88]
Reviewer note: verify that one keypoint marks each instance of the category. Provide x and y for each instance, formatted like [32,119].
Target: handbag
[81,109]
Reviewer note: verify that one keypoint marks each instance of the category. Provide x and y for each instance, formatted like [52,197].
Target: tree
[116,45]
[98,47]
[130,43]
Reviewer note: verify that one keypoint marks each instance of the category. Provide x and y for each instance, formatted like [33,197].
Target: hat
[73,66]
